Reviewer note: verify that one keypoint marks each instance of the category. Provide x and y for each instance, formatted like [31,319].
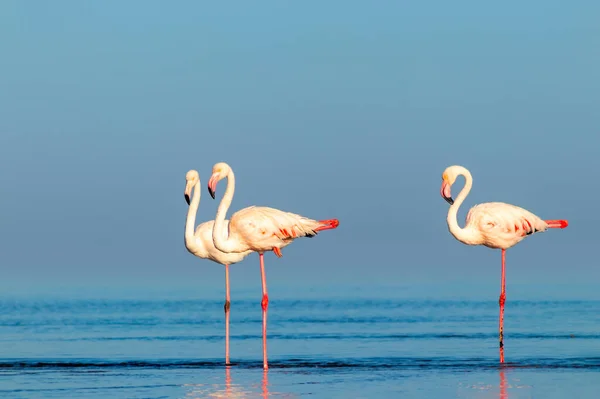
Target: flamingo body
[261,229]
[499,225]
[203,246]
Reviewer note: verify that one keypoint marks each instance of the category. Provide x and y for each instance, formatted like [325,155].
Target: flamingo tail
[328,224]
[557,224]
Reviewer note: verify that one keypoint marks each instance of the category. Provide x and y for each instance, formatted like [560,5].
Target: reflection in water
[492,386]
[503,394]
[265,383]
[230,390]
[228,381]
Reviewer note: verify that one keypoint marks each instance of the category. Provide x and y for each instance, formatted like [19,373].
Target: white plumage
[261,228]
[202,246]
[503,225]
[200,242]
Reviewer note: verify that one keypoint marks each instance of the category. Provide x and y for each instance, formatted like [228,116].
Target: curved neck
[190,240]
[465,235]
[221,238]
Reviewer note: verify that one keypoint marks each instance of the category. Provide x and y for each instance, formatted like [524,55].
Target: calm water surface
[343,346]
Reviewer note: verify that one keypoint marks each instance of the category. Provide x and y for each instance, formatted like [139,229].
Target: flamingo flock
[253,229]
[261,229]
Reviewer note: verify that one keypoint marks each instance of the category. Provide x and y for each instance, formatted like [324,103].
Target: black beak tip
[449,200]
[211,192]
[187,199]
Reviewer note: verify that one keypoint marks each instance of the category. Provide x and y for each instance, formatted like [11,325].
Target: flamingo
[200,243]
[258,229]
[493,224]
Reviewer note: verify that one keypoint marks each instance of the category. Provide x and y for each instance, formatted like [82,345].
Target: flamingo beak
[212,185]
[446,193]
[186,194]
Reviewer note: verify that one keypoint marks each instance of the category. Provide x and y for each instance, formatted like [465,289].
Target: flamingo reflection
[503,393]
[230,390]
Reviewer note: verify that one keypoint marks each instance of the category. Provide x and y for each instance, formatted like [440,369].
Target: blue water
[320,346]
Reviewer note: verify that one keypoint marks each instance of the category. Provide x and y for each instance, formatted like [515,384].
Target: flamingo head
[448,178]
[220,171]
[191,178]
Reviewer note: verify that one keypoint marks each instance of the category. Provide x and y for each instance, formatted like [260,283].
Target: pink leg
[227,307]
[265,306]
[501,302]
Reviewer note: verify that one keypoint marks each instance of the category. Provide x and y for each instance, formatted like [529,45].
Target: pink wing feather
[503,225]
[263,228]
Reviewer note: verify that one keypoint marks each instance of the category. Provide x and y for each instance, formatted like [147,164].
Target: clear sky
[340,109]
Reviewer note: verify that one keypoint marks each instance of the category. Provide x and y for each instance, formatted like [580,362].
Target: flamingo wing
[271,227]
[504,221]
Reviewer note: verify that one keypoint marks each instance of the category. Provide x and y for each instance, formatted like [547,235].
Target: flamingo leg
[265,306]
[501,302]
[227,307]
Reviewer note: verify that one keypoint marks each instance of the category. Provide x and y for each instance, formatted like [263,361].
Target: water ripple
[388,363]
[321,336]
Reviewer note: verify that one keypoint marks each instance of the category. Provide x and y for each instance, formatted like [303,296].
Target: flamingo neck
[466,235]
[194,246]
[221,238]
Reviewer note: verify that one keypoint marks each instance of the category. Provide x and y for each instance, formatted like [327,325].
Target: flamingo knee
[265,302]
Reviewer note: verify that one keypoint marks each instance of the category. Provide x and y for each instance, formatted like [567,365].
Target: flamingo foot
[277,252]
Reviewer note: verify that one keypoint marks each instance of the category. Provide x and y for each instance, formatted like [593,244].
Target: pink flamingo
[258,229]
[493,224]
[200,243]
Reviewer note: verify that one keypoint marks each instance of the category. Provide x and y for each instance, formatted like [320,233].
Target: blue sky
[339,109]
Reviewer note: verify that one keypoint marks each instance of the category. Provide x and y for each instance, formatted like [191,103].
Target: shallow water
[342,346]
